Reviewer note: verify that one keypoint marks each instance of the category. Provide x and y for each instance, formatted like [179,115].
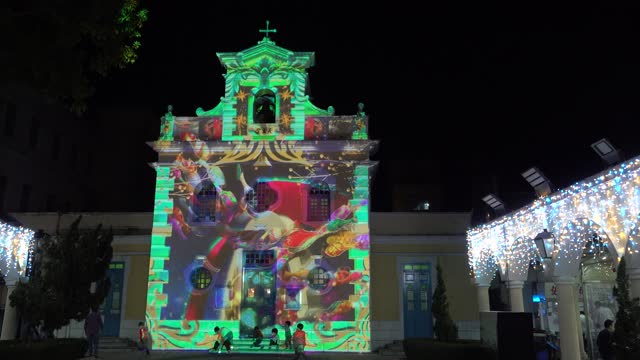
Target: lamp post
[545,242]
[567,300]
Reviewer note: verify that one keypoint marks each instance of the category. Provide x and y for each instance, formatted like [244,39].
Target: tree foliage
[627,325]
[60,47]
[445,329]
[60,288]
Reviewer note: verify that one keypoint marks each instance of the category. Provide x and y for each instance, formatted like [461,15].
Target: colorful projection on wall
[239,245]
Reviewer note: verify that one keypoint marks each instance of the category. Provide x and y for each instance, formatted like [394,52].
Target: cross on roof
[267,31]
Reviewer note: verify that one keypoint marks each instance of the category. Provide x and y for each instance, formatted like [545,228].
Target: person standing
[143,337]
[299,342]
[605,341]
[287,334]
[92,326]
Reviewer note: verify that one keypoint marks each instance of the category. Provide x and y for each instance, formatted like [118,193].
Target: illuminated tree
[60,289]
[445,329]
[59,48]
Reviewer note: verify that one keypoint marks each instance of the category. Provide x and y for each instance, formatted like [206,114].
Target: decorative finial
[331,110]
[361,109]
[166,125]
[267,31]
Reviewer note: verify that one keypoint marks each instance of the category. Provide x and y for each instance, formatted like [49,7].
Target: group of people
[297,340]
[223,337]
[273,340]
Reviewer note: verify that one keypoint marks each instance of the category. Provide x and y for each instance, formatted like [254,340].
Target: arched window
[262,197]
[204,204]
[264,107]
[318,208]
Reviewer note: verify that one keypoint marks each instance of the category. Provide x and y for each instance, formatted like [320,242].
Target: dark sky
[463,97]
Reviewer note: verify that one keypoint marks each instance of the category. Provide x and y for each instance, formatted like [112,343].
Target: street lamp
[546,243]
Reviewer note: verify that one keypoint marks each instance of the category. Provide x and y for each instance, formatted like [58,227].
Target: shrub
[444,329]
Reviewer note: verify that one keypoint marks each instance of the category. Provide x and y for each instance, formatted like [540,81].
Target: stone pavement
[196,355]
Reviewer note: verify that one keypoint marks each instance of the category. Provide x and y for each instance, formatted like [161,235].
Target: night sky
[463,97]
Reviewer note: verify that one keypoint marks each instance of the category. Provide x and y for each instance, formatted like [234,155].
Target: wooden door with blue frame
[418,321]
[111,308]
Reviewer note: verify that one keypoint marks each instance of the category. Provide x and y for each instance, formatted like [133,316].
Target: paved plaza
[193,355]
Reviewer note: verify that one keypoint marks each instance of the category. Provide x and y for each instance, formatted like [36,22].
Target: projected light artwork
[261,213]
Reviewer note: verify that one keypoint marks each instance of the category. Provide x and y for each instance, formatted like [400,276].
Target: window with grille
[258,258]
[318,278]
[200,278]
[262,197]
[319,202]
[204,204]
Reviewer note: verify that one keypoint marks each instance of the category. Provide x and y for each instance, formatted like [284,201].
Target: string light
[607,205]
[15,244]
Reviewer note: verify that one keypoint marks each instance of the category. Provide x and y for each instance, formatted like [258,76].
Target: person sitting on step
[273,340]
[257,338]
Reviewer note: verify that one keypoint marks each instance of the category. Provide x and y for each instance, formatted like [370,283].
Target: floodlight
[493,202]
[538,181]
[606,151]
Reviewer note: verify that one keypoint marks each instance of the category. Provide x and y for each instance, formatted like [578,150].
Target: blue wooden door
[112,306]
[418,322]
[258,304]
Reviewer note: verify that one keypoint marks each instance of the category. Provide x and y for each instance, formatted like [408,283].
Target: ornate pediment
[266,54]
[265,99]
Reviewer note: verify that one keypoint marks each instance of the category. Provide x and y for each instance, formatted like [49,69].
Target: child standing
[299,342]
[273,340]
[143,338]
[287,334]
